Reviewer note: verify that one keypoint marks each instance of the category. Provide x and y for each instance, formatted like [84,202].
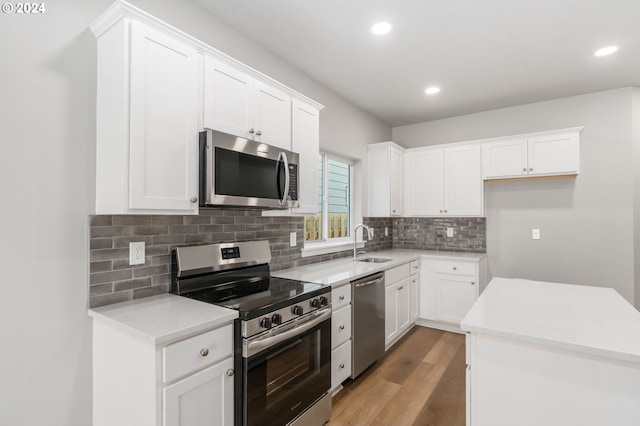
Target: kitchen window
[333,222]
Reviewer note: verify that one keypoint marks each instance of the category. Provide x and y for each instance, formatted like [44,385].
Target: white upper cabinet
[386,179]
[147,133]
[305,141]
[551,154]
[157,88]
[444,182]
[236,103]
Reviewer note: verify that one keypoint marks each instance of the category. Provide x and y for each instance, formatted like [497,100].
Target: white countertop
[592,320]
[163,318]
[342,271]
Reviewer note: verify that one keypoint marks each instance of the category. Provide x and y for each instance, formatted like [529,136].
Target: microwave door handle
[285,194]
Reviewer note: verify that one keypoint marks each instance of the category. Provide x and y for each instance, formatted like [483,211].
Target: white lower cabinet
[185,383]
[340,336]
[203,399]
[397,303]
[448,288]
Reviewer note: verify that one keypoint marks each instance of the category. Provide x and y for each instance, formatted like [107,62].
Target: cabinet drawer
[396,274]
[340,326]
[195,353]
[340,364]
[341,296]
[456,268]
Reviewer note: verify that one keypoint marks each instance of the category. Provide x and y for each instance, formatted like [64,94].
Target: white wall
[586,223]
[47,145]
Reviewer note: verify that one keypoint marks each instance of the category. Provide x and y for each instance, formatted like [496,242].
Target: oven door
[285,379]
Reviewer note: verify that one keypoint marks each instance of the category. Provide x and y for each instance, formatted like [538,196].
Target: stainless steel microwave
[235,171]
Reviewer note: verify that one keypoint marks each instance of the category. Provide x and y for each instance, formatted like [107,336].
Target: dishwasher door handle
[368,283]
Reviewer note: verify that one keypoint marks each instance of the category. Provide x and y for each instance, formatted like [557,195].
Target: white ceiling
[484,54]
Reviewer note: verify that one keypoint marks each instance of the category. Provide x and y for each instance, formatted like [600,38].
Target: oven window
[291,376]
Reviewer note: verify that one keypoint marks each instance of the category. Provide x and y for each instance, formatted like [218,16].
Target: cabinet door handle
[251,130]
[440,211]
[524,169]
[413,281]
[342,327]
[204,352]
[530,169]
[342,365]
[341,297]
[445,211]
[400,288]
[231,372]
[455,268]
[473,283]
[258,133]
[194,199]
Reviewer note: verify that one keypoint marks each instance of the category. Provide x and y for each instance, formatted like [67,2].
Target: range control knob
[276,319]
[265,323]
[315,303]
[324,301]
[297,310]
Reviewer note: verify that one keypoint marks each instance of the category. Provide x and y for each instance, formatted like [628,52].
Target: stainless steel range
[282,338]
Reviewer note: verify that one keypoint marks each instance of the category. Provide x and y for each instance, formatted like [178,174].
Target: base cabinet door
[403,310]
[203,399]
[391,313]
[455,295]
[340,364]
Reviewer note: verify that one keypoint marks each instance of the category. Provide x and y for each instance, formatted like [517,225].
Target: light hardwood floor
[419,381]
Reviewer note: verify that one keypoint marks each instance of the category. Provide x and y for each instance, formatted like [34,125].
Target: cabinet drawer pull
[400,288]
[341,297]
[342,327]
[194,199]
[231,372]
[204,352]
[259,132]
[251,130]
[342,365]
[530,169]
[473,283]
[524,169]
[455,268]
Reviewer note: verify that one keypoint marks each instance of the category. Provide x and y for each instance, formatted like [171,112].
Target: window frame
[326,244]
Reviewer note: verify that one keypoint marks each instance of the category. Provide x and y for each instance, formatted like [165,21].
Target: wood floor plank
[404,357]
[361,408]
[446,406]
[407,403]
[444,350]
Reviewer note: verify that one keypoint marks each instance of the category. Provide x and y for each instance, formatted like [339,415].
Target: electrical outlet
[449,232]
[136,253]
[535,234]
[292,239]
[386,231]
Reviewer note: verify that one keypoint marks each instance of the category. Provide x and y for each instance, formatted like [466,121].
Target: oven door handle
[259,345]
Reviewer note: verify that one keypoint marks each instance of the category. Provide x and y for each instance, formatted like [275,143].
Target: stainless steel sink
[374,260]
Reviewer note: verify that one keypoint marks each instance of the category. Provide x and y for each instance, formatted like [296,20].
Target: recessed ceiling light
[606,51]
[381,28]
[432,90]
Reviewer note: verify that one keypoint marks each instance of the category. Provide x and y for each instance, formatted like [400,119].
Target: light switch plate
[535,234]
[292,239]
[449,232]
[136,253]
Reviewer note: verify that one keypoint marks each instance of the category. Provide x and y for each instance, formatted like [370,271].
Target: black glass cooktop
[256,297]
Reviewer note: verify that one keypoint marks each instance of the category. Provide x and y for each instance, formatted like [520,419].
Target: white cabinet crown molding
[121,9]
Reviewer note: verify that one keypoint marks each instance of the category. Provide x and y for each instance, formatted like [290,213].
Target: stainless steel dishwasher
[367,320]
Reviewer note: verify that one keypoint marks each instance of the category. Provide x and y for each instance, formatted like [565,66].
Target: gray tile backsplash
[112,279]
[469,234]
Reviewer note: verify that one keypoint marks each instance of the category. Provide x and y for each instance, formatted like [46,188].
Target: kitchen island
[552,354]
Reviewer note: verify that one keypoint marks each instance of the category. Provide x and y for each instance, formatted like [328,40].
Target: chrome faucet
[355,235]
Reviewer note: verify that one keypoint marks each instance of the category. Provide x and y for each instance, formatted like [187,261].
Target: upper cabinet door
[554,154]
[424,182]
[396,159]
[228,99]
[163,121]
[305,141]
[504,159]
[272,116]
[463,183]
